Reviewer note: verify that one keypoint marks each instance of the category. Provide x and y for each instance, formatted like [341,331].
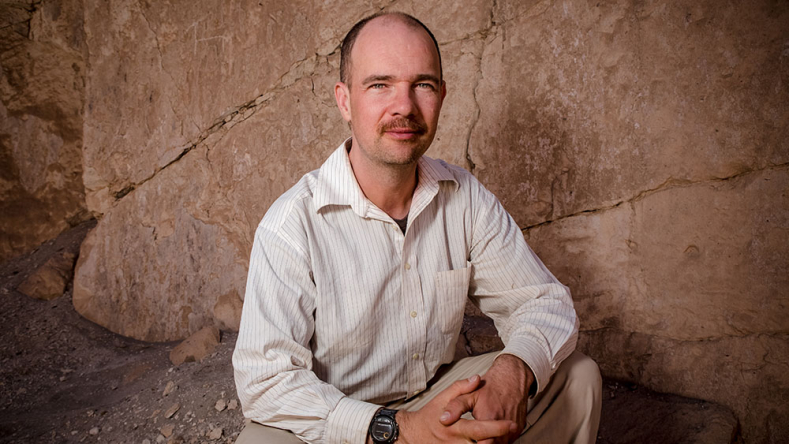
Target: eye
[424,85]
[377,86]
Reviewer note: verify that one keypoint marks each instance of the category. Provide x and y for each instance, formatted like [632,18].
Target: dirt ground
[64,379]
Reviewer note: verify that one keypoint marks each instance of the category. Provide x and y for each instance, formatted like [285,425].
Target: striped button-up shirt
[343,311]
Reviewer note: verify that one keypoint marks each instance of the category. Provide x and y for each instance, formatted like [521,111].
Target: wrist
[519,369]
[405,424]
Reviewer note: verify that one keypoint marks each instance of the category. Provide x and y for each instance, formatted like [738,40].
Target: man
[359,276]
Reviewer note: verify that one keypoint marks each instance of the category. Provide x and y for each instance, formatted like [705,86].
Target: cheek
[366,112]
[431,111]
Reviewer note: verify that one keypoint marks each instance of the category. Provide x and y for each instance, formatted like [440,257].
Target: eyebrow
[377,78]
[387,78]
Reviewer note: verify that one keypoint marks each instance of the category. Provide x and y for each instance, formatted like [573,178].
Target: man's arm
[273,360]
[533,313]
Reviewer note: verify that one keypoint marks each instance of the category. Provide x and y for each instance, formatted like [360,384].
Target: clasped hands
[498,401]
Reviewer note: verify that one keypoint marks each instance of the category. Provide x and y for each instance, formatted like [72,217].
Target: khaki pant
[566,411]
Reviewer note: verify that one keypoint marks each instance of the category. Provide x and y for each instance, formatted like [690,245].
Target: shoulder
[292,206]
[463,181]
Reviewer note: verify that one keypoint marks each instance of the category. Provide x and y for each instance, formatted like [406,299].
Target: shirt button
[407,266]
[416,356]
[416,392]
[413,314]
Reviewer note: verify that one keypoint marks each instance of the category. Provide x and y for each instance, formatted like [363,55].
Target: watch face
[383,429]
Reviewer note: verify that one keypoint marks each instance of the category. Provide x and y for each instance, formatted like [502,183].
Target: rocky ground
[65,379]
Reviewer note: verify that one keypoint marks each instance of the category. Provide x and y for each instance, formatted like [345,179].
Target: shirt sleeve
[273,361]
[533,312]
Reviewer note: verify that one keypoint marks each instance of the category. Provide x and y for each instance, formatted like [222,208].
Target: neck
[389,187]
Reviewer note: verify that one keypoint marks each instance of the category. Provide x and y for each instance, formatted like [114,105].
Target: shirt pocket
[451,295]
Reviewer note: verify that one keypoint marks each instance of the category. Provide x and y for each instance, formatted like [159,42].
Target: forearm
[542,333]
[518,372]
[275,393]
[273,359]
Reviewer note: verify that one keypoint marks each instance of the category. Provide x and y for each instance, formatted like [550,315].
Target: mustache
[402,123]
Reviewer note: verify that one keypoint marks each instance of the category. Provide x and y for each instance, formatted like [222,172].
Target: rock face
[618,98]
[642,147]
[41,97]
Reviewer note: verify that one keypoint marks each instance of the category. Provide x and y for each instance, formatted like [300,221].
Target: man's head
[392,88]
[350,39]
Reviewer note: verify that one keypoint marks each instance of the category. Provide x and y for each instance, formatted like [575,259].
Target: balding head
[350,39]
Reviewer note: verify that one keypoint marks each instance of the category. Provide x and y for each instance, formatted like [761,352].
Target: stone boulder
[227,311]
[49,281]
[196,347]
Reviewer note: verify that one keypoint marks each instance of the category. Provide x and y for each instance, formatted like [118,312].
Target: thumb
[453,405]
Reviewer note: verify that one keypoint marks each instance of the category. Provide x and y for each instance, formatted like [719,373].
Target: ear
[343,97]
[443,90]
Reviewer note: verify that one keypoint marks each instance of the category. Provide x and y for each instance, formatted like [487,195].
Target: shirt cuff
[349,421]
[534,357]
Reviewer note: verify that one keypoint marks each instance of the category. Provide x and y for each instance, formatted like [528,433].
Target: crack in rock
[776,335]
[483,35]
[291,76]
[669,184]
[237,115]
[470,165]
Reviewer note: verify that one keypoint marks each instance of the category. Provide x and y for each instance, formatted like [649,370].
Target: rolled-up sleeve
[533,312]
[273,361]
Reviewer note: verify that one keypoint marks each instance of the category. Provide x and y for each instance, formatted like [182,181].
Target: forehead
[388,46]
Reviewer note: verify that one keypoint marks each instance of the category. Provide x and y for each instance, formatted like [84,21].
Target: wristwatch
[383,427]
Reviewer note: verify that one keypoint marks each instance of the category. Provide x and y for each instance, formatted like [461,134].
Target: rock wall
[41,97]
[641,145]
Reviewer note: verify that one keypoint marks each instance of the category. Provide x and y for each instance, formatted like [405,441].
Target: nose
[403,101]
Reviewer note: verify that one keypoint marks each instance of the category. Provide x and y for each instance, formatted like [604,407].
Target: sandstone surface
[195,348]
[590,104]
[163,73]
[41,96]
[656,298]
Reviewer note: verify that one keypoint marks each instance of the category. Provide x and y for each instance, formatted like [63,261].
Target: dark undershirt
[402,223]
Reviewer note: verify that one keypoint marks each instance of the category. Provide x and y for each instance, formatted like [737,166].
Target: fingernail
[471,379]
[513,427]
[445,416]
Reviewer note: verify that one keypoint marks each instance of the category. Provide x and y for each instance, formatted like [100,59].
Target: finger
[479,430]
[461,387]
[456,408]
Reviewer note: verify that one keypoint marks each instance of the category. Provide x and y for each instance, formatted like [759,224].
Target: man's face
[395,92]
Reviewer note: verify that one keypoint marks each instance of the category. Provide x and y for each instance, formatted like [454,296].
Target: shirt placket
[413,303]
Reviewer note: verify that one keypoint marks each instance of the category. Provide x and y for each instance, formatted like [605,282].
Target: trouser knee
[579,380]
[582,373]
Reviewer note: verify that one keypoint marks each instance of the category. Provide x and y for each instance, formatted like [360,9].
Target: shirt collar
[337,184]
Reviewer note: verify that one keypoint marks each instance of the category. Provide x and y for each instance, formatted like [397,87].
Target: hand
[423,425]
[503,395]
